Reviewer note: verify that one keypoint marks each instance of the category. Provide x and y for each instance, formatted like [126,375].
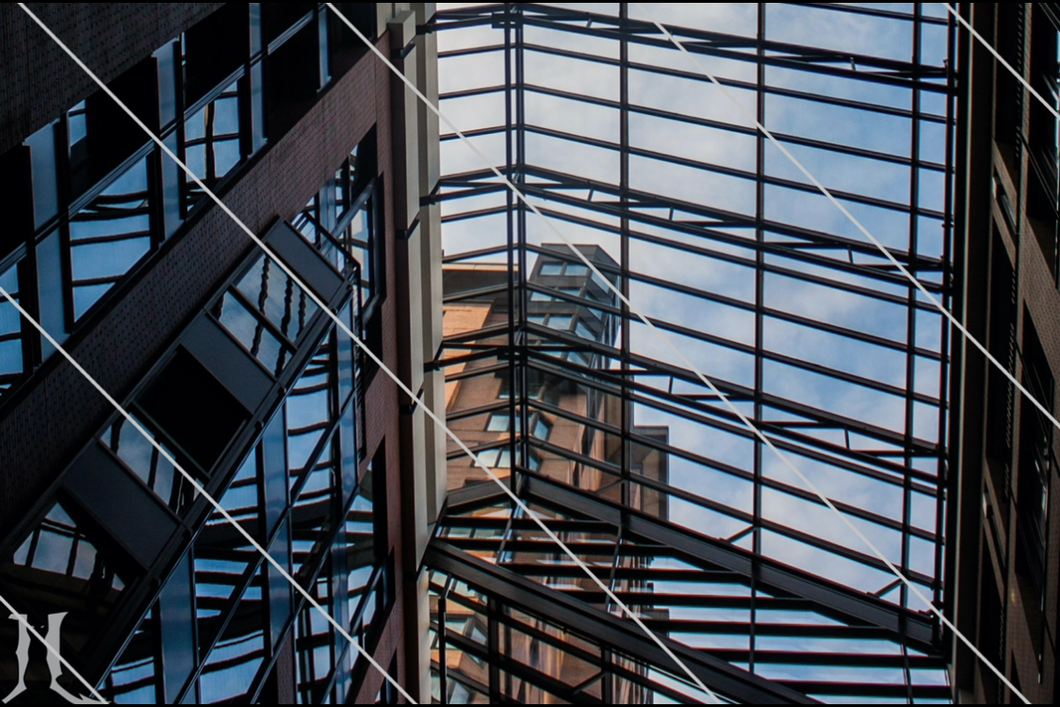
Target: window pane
[361,554]
[277,297]
[211,142]
[141,457]
[498,423]
[235,660]
[109,236]
[60,567]
[560,321]
[251,333]
[10,332]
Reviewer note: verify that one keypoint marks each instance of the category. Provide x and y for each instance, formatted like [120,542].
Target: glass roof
[743,265]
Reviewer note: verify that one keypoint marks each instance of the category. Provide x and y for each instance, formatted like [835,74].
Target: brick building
[229,365]
[1006,527]
[480,409]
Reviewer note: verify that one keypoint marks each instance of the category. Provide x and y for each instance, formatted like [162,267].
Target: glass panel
[109,236]
[309,411]
[230,671]
[313,645]
[211,142]
[361,550]
[141,457]
[360,242]
[252,333]
[60,567]
[222,558]
[136,679]
[561,322]
[314,517]
[10,332]
[498,422]
[271,293]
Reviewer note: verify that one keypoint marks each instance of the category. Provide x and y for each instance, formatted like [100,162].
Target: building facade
[226,362]
[480,408]
[1005,528]
[556,383]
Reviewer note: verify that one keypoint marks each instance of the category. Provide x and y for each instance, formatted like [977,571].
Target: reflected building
[568,309]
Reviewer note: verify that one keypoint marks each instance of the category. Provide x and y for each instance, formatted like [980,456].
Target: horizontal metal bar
[568,612]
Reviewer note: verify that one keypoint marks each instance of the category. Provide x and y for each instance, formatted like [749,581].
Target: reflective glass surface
[144,460]
[109,236]
[62,566]
[10,332]
[212,142]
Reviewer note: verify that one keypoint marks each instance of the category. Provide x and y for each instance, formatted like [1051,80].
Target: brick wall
[52,416]
[39,81]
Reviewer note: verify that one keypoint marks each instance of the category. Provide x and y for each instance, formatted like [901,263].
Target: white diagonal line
[161,450]
[946,622]
[36,634]
[338,321]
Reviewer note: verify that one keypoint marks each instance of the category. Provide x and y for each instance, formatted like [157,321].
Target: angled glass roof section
[746,268]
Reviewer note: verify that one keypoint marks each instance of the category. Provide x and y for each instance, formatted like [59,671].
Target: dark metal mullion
[625,345]
[208,143]
[782,54]
[213,137]
[789,439]
[804,65]
[115,237]
[515,53]
[890,14]
[516,297]
[695,458]
[759,328]
[749,262]
[738,347]
[493,634]
[943,601]
[690,497]
[910,365]
[443,672]
[89,282]
[66,207]
[713,123]
[811,239]
[731,172]
[785,438]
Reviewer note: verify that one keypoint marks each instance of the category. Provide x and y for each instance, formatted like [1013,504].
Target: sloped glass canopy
[639,160]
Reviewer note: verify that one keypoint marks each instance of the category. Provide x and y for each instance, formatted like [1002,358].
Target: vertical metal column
[760,236]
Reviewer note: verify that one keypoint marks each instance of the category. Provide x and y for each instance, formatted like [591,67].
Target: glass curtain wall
[638,159]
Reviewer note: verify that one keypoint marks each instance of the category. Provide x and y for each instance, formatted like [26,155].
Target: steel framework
[742,263]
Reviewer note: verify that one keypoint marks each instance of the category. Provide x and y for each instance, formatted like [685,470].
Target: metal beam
[522,593]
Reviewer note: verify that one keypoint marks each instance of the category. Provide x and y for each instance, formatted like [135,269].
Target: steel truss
[719,549]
